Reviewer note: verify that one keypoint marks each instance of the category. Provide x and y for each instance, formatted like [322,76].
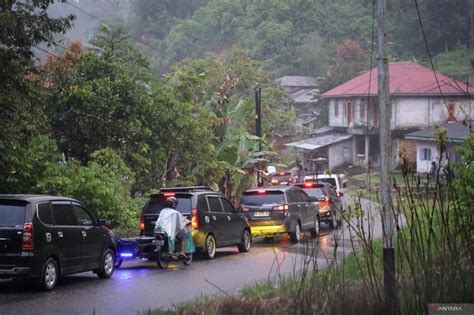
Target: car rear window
[157,203]
[282,177]
[256,198]
[330,180]
[314,192]
[12,213]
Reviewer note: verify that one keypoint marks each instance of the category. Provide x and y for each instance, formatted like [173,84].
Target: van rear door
[12,218]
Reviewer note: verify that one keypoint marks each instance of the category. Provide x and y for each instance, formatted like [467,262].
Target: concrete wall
[340,153]
[423,166]
[407,112]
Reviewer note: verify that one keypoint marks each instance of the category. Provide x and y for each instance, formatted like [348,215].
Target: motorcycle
[167,250]
[158,248]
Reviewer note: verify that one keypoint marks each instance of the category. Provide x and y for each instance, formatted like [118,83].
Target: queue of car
[47,237]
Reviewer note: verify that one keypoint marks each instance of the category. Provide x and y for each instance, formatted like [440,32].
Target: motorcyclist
[173,223]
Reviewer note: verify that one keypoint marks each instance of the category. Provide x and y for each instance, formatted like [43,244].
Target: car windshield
[269,197]
[330,180]
[11,213]
[157,203]
[315,192]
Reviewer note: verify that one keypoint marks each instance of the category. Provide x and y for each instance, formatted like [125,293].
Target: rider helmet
[172,202]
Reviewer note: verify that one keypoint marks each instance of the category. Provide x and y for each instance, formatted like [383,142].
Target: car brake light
[282,173]
[261,191]
[169,194]
[308,184]
[27,243]
[194,220]
[325,203]
[142,222]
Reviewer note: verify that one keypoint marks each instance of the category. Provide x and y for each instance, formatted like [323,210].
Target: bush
[103,185]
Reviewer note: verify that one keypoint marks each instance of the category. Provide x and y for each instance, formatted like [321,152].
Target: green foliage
[26,164]
[456,63]
[23,25]
[103,185]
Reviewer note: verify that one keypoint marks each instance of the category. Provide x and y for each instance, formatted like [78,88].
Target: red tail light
[261,191]
[194,220]
[325,203]
[142,222]
[169,194]
[27,243]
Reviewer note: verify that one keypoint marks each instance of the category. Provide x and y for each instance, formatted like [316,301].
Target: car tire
[246,242]
[295,236]
[333,222]
[209,250]
[315,231]
[107,264]
[49,275]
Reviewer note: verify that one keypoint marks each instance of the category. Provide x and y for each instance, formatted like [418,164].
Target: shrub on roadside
[103,185]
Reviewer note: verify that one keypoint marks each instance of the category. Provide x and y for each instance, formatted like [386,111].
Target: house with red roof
[420,98]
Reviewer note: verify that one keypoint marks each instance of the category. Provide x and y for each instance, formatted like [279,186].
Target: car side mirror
[102,221]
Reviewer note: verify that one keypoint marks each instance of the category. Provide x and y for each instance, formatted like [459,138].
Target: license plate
[261,214]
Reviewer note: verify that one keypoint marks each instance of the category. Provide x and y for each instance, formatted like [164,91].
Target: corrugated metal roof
[405,78]
[295,80]
[319,142]
[456,132]
[305,96]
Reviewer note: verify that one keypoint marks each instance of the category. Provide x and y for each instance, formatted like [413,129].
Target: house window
[451,110]
[425,154]
[336,107]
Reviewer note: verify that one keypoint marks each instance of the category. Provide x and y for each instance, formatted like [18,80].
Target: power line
[46,51]
[103,22]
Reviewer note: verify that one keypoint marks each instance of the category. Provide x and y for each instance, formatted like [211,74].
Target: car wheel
[295,236]
[50,275]
[209,251]
[162,261]
[107,264]
[246,242]
[315,231]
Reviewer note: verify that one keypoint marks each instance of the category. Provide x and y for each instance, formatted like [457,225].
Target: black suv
[46,237]
[280,209]
[214,220]
[329,202]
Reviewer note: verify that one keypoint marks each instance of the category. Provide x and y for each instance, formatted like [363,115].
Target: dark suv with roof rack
[214,220]
[45,237]
[280,209]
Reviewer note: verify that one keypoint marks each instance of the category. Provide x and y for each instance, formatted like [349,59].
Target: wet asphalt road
[140,285]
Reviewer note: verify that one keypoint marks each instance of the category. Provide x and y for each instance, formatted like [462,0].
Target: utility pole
[386,164]
[258,130]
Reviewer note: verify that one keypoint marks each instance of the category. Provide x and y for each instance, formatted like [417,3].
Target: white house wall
[340,153]
[407,112]
[423,166]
